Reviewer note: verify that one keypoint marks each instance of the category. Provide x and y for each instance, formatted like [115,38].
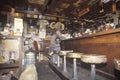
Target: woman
[55,45]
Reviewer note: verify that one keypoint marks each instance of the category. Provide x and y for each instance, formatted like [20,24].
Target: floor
[45,72]
[49,71]
[83,74]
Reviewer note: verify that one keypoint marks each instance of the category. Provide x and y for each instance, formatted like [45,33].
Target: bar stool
[74,56]
[93,59]
[64,53]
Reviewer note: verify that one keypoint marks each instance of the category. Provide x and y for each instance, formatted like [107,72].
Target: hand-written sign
[18,26]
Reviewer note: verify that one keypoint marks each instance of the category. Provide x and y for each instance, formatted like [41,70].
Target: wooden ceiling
[77,11]
[62,8]
[67,7]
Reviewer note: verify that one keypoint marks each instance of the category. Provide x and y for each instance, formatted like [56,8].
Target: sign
[18,26]
[42,34]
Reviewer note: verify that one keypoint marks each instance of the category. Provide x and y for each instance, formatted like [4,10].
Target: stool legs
[39,57]
[53,59]
[93,72]
[64,64]
[58,61]
[75,76]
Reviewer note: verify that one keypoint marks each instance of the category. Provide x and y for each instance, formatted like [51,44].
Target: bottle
[29,57]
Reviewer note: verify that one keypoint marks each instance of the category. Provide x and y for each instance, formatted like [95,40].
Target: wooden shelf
[6,66]
[112,31]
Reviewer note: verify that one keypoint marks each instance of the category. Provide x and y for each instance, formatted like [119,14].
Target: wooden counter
[107,43]
[6,68]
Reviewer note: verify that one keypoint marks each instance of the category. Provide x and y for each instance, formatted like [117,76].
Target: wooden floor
[45,72]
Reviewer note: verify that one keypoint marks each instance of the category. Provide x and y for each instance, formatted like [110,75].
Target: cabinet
[12,53]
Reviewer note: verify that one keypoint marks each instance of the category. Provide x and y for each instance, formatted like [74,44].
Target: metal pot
[117,64]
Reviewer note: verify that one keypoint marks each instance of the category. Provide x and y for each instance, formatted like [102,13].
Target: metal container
[117,64]
[117,68]
[29,58]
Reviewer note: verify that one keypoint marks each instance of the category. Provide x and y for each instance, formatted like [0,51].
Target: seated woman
[55,45]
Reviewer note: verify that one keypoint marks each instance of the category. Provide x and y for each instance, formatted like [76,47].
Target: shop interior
[60,39]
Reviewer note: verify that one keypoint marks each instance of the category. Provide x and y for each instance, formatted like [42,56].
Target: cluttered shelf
[10,55]
[7,70]
[8,36]
[112,31]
